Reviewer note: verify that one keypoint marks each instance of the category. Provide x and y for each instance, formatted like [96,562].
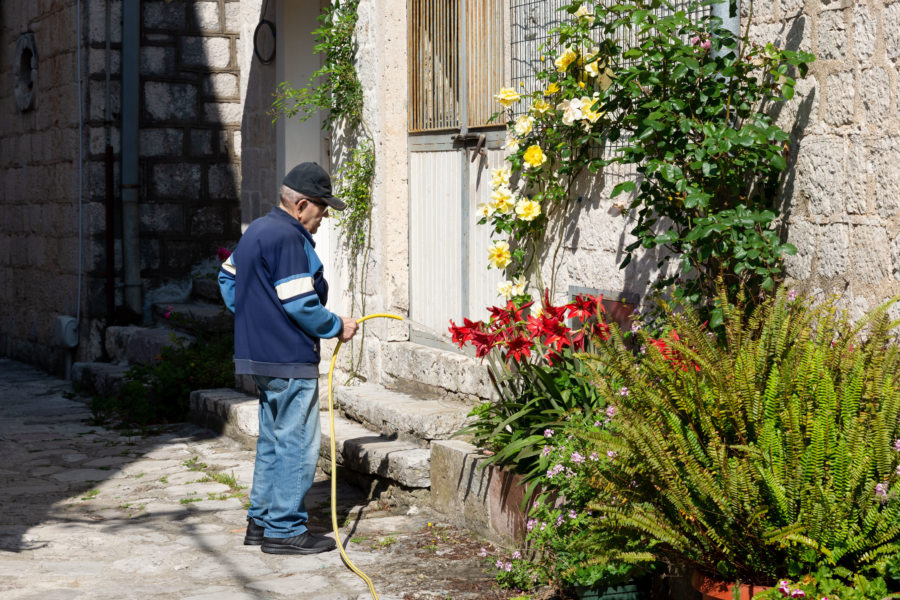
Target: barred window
[456,62]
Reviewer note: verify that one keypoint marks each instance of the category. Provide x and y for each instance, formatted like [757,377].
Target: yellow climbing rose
[528,210]
[500,177]
[540,106]
[552,89]
[507,96]
[499,255]
[565,59]
[505,289]
[534,157]
[502,200]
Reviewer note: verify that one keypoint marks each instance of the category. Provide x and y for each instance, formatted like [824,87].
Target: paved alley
[88,512]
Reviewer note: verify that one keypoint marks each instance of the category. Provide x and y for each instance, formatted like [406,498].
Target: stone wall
[189,163]
[39,174]
[843,187]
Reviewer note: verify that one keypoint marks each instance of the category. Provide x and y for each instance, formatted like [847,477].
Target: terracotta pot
[713,588]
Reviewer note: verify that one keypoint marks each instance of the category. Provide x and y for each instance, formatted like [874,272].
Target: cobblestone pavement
[94,513]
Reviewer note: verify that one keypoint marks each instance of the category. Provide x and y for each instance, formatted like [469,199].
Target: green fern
[770,453]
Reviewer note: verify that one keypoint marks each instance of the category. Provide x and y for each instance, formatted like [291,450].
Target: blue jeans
[287,451]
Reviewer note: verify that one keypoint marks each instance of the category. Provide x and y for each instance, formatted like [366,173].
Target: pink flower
[792,295]
[784,586]
[612,454]
[595,456]
[573,514]
[548,433]
[516,555]
[223,254]
[881,492]
[499,564]
[508,567]
[168,312]
[798,593]
[612,410]
[559,520]
[597,423]
[577,458]
[545,451]
[623,392]
[482,553]
[531,524]
[897,445]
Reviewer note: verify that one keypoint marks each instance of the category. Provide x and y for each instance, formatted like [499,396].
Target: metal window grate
[455,62]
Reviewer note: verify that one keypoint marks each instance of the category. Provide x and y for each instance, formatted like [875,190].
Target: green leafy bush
[832,584]
[160,392]
[759,454]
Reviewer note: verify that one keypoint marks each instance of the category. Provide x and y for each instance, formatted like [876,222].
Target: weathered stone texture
[207,52]
[891,20]
[841,91]
[875,97]
[833,250]
[175,181]
[206,15]
[864,31]
[832,35]
[802,235]
[820,170]
[165,101]
[870,255]
[157,60]
[886,159]
[163,15]
[223,181]
[161,142]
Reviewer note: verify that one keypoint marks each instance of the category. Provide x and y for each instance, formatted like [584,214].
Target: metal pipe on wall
[131,258]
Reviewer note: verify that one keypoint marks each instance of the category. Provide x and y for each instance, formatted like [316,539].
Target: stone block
[103,378]
[840,90]
[97,106]
[832,35]
[233,17]
[223,113]
[208,220]
[180,180]
[221,86]
[364,451]
[875,95]
[885,156]
[227,411]
[236,143]
[820,170]
[394,413]
[442,369]
[164,101]
[895,256]
[224,181]
[870,255]
[206,16]
[891,20]
[200,142]
[161,218]
[833,250]
[487,500]
[158,60]
[162,14]
[161,141]
[864,31]
[857,174]
[211,52]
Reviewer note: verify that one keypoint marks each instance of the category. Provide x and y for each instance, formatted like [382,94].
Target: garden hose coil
[334,523]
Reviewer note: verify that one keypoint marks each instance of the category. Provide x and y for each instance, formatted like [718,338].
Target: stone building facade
[211,159]
[188,131]
[841,190]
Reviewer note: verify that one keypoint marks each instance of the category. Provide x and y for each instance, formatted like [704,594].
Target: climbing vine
[336,90]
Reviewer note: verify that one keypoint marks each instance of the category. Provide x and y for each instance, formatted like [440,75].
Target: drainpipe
[131,257]
[730,13]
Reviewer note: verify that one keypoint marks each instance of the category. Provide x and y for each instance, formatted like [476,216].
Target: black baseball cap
[311,180]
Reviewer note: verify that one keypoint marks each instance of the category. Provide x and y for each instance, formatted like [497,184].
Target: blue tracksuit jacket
[274,285]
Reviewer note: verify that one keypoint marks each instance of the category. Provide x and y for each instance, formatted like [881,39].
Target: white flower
[519,285]
[586,111]
[484,210]
[505,290]
[512,144]
[571,110]
[523,125]
[586,12]
[500,177]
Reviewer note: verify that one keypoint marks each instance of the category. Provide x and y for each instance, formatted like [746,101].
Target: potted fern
[757,452]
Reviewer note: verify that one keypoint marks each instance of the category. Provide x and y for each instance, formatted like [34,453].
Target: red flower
[674,356]
[556,312]
[518,348]
[461,335]
[223,254]
[583,307]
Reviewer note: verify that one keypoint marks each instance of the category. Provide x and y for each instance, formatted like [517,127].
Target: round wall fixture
[25,70]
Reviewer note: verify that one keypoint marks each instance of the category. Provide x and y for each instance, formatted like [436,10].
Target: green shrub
[160,392]
[760,453]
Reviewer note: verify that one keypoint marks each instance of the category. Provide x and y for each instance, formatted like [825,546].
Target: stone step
[358,449]
[104,379]
[397,414]
[133,344]
[194,316]
[206,289]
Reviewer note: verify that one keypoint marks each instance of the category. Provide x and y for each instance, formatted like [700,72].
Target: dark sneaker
[305,543]
[254,535]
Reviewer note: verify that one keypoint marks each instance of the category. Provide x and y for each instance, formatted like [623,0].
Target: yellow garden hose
[334,523]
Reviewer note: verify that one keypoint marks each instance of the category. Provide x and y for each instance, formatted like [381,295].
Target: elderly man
[274,285]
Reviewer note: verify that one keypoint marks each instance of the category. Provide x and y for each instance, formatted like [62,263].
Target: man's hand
[350,327]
